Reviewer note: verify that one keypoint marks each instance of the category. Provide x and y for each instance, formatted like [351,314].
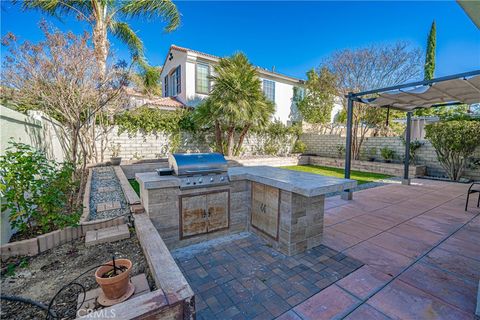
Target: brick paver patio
[247,279]
[420,251]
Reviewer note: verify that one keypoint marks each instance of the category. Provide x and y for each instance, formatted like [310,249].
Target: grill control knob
[222,178]
[211,179]
[200,180]
[188,181]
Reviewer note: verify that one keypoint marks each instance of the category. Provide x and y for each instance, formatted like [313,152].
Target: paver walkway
[420,248]
[247,279]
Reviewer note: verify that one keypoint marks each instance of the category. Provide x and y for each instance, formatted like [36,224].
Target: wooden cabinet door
[265,208]
[258,198]
[217,210]
[271,211]
[194,216]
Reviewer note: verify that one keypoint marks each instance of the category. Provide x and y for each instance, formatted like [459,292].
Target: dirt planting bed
[40,277]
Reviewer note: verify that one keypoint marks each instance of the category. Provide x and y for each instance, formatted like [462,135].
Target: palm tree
[236,103]
[103,17]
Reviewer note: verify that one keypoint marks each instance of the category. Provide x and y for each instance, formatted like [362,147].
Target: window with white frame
[269,89]
[202,83]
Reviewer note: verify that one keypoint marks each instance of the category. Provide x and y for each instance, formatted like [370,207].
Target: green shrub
[414,146]
[147,120]
[278,137]
[299,147]
[372,153]
[387,154]
[341,151]
[38,191]
[454,142]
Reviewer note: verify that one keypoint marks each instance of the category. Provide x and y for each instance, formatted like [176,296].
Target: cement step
[110,234]
[107,206]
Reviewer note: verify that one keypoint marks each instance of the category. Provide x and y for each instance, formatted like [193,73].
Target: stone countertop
[303,183]
[151,180]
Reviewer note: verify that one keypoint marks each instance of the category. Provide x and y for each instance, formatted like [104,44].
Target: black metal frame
[351,97]
[470,191]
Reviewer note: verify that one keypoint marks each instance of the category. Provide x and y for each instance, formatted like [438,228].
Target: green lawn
[361,177]
[135,185]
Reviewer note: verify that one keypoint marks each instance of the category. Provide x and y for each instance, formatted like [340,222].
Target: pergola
[463,88]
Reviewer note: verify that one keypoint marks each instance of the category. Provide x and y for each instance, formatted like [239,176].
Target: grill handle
[204,170]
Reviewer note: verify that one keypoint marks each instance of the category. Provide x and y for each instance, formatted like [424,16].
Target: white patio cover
[462,90]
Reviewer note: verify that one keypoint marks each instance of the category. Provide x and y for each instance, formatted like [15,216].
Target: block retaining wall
[327,146]
[34,246]
[393,169]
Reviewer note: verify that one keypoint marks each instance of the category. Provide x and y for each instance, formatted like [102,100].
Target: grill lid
[197,163]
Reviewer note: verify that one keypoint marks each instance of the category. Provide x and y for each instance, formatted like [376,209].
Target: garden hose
[50,313]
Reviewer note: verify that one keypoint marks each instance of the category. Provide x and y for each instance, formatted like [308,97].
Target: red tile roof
[154,101]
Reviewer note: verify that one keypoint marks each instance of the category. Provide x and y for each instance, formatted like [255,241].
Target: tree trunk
[218,137]
[74,146]
[100,43]
[230,140]
[244,132]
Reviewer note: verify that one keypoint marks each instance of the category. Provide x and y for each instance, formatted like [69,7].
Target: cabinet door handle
[204,214]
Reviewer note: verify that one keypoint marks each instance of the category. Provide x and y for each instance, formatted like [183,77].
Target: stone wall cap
[303,183]
[151,180]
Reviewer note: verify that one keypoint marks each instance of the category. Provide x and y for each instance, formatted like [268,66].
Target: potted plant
[388,154]
[114,279]
[372,154]
[115,159]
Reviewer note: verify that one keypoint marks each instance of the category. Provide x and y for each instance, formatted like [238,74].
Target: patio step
[111,234]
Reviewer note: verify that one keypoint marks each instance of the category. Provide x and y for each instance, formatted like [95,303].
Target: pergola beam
[409,106]
[417,83]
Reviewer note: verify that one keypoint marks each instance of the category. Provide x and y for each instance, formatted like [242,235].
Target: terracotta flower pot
[116,286]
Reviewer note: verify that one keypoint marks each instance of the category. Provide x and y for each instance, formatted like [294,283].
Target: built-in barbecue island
[200,198]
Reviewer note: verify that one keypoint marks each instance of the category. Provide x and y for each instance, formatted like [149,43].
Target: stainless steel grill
[197,170]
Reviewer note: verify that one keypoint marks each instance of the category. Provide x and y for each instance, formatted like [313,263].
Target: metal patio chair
[472,190]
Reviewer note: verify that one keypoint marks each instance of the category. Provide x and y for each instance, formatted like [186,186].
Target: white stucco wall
[283,101]
[179,58]
[192,98]
[284,110]
[337,108]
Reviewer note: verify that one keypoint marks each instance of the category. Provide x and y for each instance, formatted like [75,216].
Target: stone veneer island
[285,207]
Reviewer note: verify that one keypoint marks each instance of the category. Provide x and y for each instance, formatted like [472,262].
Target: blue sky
[292,36]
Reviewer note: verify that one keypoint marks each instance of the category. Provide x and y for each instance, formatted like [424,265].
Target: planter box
[31,247]
[27,247]
[394,169]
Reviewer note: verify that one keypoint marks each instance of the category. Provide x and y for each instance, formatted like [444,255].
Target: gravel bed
[40,277]
[369,185]
[97,197]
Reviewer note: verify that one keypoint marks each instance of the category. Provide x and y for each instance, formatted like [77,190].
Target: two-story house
[185,79]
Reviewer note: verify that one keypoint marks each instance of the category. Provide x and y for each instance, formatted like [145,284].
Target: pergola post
[406,179]
[348,194]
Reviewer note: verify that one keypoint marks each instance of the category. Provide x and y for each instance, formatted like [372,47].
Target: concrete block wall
[136,147]
[326,146]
